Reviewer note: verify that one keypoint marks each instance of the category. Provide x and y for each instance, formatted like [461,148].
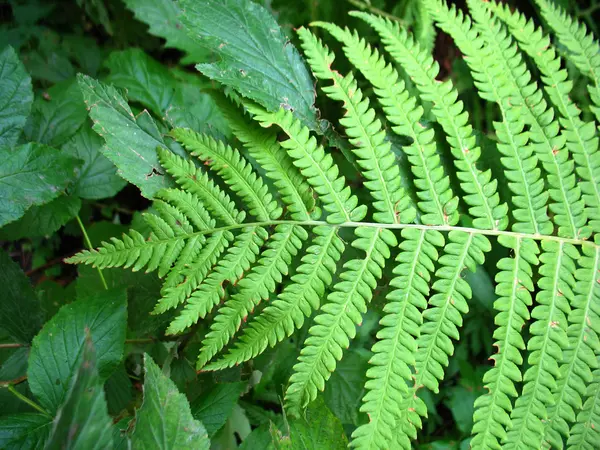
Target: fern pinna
[543,390]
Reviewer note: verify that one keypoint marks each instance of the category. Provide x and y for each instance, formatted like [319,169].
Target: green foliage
[421,242]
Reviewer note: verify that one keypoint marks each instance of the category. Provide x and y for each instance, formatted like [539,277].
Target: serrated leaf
[43,220]
[214,407]
[129,144]
[56,350]
[82,422]
[24,431]
[319,429]
[162,18]
[97,178]
[32,174]
[254,56]
[56,115]
[20,313]
[165,421]
[16,96]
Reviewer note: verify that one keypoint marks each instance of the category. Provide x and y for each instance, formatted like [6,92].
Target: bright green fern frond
[234,169]
[336,323]
[581,137]
[436,201]
[190,205]
[568,207]
[196,182]
[394,352]
[262,145]
[585,434]
[492,410]
[316,165]
[260,282]
[518,158]
[181,285]
[584,50]
[482,198]
[549,340]
[581,356]
[298,300]
[374,153]
[230,268]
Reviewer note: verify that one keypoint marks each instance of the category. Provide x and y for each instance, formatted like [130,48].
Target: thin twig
[13,345]
[30,402]
[89,245]
[368,7]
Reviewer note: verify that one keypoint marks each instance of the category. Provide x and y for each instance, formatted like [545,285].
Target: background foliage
[81,347]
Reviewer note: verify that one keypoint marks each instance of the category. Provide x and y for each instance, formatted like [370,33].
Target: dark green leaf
[259,438]
[129,146]
[43,220]
[57,348]
[82,422]
[32,174]
[214,407]
[24,431]
[97,177]
[20,313]
[165,421]
[319,429]
[57,115]
[162,18]
[255,56]
[16,96]
[118,390]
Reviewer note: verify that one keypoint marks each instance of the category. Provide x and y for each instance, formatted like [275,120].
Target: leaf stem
[30,402]
[89,245]
[366,6]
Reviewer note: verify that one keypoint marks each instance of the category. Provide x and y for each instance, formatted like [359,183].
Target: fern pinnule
[234,169]
[436,201]
[585,433]
[262,279]
[336,322]
[297,301]
[374,155]
[316,166]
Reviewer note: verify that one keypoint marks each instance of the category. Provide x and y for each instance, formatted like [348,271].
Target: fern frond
[260,282]
[581,355]
[298,299]
[193,272]
[549,340]
[375,158]
[482,198]
[585,434]
[230,268]
[262,145]
[437,203]
[315,165]
[196,182]
[515,284]
[234,169]
[584,50]
[581,139]
[393,353]
[568,207]
[336,323]
[518,159]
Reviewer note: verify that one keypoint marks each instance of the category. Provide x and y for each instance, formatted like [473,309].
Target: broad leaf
[82,422]
[24,431]
[43,220]
[20,313]
[255,56]
[56,350]
[162,18]
[32,174]
[16,96]
[214,407]
[318,429]
[131,141]
[165,421]
[97,177]
[57,115]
